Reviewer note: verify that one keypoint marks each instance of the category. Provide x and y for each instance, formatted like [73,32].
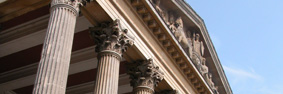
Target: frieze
[185,38]
[189,40]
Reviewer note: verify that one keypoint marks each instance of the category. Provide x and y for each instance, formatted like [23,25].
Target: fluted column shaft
[111,42]
[55,58]
[108,73]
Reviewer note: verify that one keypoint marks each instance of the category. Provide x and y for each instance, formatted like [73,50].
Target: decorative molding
[71,5]
[111,42]
[187,9]
[168,39]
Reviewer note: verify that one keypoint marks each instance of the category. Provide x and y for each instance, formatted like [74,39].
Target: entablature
[175,43]
[183,34]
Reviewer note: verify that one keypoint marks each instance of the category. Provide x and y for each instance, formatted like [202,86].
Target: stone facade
[111,42]
[54,64]
[192,45]
[106,47]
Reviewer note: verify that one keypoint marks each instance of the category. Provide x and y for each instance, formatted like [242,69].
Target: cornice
[170,44]
[187,9]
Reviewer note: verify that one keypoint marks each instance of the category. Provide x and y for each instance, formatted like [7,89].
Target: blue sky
[247,35]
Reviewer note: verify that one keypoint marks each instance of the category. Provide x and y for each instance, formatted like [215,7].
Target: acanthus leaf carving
[143,73]
[110,36]
[189,41]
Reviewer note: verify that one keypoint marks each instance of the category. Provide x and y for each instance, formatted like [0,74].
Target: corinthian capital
[110,36]
[144,74]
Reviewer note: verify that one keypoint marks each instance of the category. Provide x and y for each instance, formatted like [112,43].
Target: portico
[111,47]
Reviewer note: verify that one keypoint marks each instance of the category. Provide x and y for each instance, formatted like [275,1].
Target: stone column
[111,41]
[144,76]
[55,58]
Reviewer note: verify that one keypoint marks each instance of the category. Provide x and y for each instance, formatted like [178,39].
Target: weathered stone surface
[203,68]
[110,36]
[144,74]
[198,45]
[160,11]
[111,41]
[189,40]
[55,59]
[108,73]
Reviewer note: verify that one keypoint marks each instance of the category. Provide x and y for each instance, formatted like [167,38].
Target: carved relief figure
[190,43]
[198,49]
[183,37]
[171,22]
[211,84]
[198,45]
[203,68]
[180,33]
[156,4]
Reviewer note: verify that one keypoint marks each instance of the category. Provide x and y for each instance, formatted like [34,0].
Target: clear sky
[248,37]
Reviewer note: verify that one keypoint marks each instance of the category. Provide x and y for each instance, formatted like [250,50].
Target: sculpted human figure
[198,49]
[204,69]
[198,45]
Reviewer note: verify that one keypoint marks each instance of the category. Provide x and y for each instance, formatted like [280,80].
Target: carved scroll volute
[144,74]
[110,36]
